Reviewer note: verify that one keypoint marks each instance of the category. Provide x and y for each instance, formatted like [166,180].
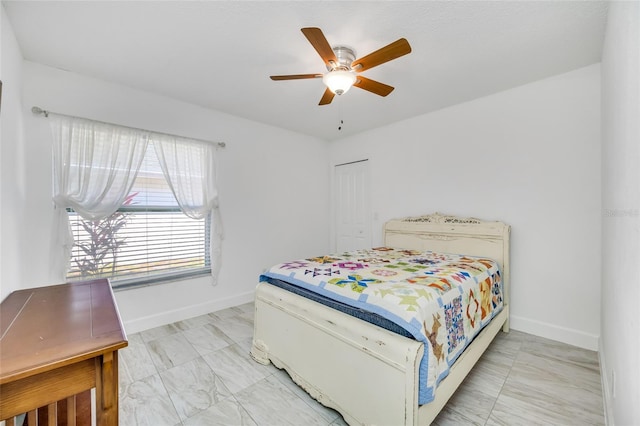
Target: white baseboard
[157,320]
[554,332]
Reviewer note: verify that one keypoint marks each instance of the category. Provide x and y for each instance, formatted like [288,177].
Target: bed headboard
[452,234]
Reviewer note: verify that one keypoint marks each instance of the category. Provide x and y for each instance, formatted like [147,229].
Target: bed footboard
[368,374]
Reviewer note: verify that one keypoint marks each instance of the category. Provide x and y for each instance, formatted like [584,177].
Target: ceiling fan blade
[295,76]
[327,97]
[373,86]
[322,46]
[391,51]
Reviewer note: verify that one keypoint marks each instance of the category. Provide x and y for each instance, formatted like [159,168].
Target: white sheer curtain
[190,169]
[94,167]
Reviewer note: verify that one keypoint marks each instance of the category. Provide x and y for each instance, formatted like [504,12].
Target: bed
[370,373]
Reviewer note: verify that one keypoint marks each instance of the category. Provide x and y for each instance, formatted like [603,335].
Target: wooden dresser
[57,342]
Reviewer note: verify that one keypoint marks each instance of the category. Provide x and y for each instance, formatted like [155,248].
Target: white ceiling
[220,54]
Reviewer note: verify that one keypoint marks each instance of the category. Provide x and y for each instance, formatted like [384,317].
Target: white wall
[273,191]
[620,340]
[530,157]
[12,190]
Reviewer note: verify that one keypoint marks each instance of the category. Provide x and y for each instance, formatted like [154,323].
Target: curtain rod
[38,110]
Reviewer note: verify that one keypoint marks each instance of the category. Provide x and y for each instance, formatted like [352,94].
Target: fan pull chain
[341,121]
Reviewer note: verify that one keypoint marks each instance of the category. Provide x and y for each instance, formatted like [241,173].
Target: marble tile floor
[199,372]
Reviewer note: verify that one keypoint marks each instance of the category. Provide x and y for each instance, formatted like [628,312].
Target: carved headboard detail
[441,218]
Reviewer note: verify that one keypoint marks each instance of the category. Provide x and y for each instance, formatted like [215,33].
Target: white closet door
[353,206]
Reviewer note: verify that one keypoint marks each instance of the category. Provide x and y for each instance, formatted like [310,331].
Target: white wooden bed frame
[369,374]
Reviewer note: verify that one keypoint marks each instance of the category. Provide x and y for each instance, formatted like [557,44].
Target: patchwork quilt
[442,300]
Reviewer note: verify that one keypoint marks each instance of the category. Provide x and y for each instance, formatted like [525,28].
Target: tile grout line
[495,401]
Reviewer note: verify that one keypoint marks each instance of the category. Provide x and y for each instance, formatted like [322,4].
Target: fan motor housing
[345,55]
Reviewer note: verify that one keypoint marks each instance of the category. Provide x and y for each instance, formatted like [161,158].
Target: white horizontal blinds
[156,240]
[150,187]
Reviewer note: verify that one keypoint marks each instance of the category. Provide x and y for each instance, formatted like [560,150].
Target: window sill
[133,283]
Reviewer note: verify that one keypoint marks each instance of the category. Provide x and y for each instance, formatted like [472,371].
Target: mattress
[443,300]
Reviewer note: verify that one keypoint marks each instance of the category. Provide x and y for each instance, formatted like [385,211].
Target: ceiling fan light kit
[343,66]
[339,81]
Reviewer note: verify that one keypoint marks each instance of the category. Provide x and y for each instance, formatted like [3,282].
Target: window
[148,239]
[133,205]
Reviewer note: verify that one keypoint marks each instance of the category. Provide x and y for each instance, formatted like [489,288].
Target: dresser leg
[107,389]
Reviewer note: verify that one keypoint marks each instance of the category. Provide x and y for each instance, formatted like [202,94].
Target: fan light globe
[339,81]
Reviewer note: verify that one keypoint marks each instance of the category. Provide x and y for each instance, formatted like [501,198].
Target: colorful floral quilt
[443,300]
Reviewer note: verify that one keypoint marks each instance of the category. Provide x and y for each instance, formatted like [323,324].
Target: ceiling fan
[343,67]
